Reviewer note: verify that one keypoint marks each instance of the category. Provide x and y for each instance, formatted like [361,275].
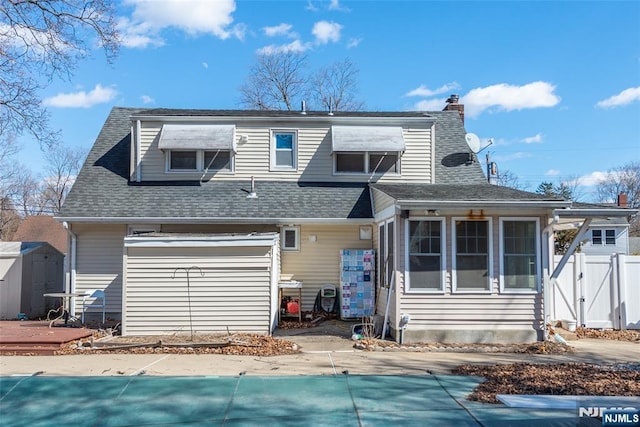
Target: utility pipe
[70,285]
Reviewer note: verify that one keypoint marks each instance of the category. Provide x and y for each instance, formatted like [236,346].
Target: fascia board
[306,119]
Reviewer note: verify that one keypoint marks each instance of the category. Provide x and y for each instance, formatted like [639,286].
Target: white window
[199,160]
[596,237]
[290,238]
[425,255]
[610,237]
[471,255]
[519,248]
[365,162]
[284,150]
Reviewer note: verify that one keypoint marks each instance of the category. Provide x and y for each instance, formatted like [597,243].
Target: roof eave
[595,212]
[294,118]
[212,220]
[454,204]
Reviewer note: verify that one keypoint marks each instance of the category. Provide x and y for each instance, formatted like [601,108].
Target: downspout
[546,285]
[70,286]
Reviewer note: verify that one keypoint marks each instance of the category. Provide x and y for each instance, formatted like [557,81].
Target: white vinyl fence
[598,291]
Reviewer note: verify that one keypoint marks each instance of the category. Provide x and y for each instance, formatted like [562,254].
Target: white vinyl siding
[314,157]
[318,262]
[99,263]
[234,293]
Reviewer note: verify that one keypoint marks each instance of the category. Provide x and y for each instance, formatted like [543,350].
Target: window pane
[381,163]
[221,160]
[390,249]
[596,237]
[610,236]
[520,255]
[284,141]
[183,160]
[350,162]
[424,272]
[472,257]
[284,158]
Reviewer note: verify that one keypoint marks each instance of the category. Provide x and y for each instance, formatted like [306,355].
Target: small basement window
[290,238]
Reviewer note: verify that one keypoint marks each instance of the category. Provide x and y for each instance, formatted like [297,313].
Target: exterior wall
[99,263]
[621,246]
[315,161]
[11,287]
[466,317]
[318,263]
[234,294]
[381,201]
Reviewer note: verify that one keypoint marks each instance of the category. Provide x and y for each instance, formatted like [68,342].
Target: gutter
[214,220]
[290,118]
[484,204]
[70,285]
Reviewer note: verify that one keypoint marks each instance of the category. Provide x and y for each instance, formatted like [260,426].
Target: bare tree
[624,179]
[9,219]
[334,87]
[62,169]
[40,40]
[509,179]
[275,81]
[28,194]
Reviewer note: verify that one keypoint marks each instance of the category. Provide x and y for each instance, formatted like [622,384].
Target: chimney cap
[453,99]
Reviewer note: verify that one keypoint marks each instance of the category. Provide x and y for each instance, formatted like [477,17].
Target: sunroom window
[425,256]
[519,260]
[471,256]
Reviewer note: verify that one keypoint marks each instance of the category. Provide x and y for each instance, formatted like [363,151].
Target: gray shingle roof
[102,189]
[462,192]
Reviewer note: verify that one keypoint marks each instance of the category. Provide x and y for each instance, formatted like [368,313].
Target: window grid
[519,258]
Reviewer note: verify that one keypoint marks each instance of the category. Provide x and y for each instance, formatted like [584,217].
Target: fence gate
[598,291]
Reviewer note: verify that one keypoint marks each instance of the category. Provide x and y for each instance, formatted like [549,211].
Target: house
[42,228]
[190,219]
[28,270]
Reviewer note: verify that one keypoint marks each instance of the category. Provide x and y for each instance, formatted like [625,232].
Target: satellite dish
[473,142]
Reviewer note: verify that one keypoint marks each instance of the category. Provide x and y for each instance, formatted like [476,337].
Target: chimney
[452,104]
[622,200]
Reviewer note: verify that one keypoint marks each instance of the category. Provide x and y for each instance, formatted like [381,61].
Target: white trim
[187,241]
[138,149]
[538,252]
[296,246]
[273,167]
[454,275]
[241,119]
[443,257]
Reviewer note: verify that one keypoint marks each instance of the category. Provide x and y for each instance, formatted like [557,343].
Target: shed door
[233,293]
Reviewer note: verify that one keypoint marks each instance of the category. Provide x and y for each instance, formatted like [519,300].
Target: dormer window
[284,150]
[366,149]
[198,147]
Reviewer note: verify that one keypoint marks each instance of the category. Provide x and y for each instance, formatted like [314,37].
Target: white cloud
[147,99]
[422,90]
[295,46]
[354,42]
[593,178]
[82,99]
[552,172]
[205,65]
[279,30]
[326,32]
[435,104]
[506,97]
[535,139]
[625,97]
[335,5]
[311,7]
[194,17]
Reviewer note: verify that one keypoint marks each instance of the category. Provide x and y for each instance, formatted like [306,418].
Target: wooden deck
[36,337]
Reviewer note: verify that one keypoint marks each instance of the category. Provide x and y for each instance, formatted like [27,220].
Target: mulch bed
[579,379]
[608,334]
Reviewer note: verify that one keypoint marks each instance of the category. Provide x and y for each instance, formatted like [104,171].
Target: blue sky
[556,85]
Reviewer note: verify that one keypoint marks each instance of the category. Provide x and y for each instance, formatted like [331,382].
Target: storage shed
[28,270]
[181,283]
